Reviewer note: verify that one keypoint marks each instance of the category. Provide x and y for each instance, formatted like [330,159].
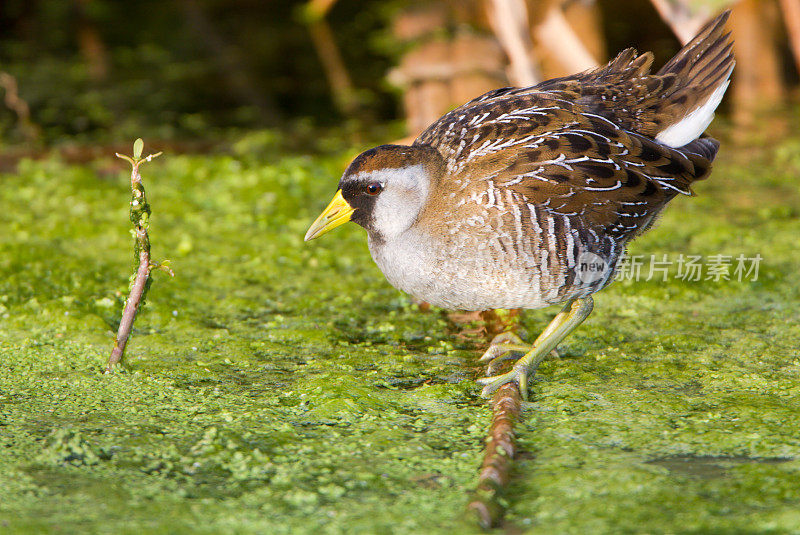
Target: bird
[527,197]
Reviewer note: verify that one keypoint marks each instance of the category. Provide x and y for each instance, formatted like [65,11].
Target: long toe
[508,337]
[495,351]
[495,364]
[517,375]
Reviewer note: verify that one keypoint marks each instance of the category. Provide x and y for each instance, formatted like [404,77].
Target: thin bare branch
[681,18]
[332,63]
[319,8]
[509,21]
[791,17]
[555,33]
[18,106]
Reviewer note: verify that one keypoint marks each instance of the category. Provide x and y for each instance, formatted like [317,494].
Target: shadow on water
[709,466]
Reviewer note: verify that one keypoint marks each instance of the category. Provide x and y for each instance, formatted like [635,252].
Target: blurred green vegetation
[281,387]
[275,386]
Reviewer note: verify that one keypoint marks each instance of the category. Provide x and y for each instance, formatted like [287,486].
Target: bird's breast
[474,271]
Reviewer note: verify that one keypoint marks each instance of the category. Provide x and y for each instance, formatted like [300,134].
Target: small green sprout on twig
[140,280]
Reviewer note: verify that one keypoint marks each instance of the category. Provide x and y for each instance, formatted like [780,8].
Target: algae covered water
[274,386]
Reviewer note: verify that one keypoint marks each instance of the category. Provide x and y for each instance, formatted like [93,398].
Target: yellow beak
[337,213]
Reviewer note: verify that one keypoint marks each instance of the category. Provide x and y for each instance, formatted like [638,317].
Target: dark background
[187,69]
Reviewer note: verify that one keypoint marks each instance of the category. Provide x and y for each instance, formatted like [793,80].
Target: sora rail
[527,197]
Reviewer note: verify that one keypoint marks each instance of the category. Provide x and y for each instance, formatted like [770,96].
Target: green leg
[564,323]
[503,345]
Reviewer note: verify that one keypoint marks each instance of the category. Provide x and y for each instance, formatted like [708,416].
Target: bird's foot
[573,313]
[518,374]
[501,349]
[501,343]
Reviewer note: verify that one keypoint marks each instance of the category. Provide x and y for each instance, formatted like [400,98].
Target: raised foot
[501,349]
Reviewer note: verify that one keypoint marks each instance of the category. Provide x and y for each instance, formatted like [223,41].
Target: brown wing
[583,146]
[625,92]
[567,161]
[610,180]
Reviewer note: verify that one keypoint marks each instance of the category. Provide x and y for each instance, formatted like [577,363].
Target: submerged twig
[140,281]
[487,501]
[19,106]
[339,79]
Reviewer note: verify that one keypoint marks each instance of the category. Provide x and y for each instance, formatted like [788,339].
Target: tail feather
[694,57]
[674,105]
[703,68]
[705,147]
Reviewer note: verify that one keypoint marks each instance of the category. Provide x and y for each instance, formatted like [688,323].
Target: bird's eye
[373,188]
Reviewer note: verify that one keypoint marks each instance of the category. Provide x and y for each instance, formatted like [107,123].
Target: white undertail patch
[695,123]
